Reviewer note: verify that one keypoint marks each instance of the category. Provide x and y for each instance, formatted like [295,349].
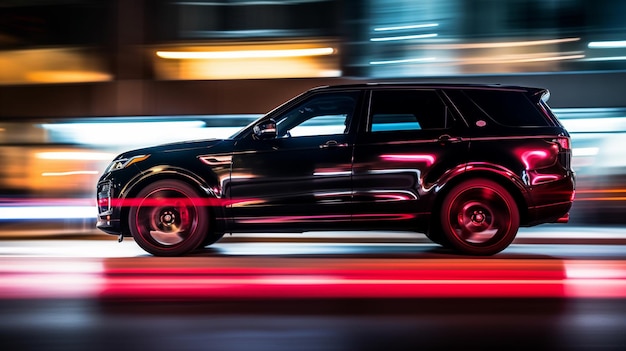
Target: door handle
[332,144]
[445,139]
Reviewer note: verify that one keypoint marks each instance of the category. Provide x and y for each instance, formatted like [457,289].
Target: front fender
[209,186]
[162,172]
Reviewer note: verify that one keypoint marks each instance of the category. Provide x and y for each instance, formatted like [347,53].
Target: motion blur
[82,80]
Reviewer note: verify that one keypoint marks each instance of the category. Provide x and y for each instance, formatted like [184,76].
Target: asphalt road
[552,289]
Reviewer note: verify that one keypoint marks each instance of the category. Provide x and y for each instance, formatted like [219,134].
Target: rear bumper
[552,200]
[563,219]
[553,213]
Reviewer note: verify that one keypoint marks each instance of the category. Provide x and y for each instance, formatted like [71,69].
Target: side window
[322,114]
[509,108]
[395,110]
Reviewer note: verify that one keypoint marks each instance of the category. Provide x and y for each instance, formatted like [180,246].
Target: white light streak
[585,151]
[405,37]
[47,212]
[607,44]
[539,57]
[69,173]
[594,270]
[608,58]
[595,125]
[413,60]
[75,155]
[507,44]
[134,134]
[414,26]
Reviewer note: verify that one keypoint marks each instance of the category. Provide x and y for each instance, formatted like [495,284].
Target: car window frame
[288,114]
[450,109]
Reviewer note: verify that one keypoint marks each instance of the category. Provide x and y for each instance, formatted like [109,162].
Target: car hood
[172,147]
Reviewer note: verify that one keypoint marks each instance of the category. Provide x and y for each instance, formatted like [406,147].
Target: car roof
[391,85]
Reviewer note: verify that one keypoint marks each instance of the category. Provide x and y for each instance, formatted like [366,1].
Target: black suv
[465,164]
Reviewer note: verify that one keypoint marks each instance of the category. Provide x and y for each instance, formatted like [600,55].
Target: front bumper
[108,211]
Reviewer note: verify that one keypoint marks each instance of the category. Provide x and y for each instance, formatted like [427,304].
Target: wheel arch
[132,188]
[513,184]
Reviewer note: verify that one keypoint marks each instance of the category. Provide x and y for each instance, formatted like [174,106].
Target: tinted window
[509,108]
[394,110]
[469,110]
[322,114]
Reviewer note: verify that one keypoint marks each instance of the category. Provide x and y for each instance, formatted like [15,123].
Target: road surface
[552,289]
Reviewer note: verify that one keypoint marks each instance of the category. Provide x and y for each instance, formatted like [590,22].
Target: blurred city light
[46,212]
[130,133]
[81,81]
[52,65]
[247,54]
[280,59]
[607,44]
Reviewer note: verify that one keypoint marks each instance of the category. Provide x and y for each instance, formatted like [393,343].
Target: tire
[169,219]
[479,217]
[211,239]
[435,235]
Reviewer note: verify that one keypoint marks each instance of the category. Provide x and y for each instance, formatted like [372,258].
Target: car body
[465,164]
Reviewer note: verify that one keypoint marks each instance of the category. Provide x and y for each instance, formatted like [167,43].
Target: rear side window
[508,108]
[395,110]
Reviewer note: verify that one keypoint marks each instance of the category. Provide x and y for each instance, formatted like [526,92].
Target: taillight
[565,155]
[564,142]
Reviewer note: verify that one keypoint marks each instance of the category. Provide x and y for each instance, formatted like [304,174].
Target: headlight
[125,162]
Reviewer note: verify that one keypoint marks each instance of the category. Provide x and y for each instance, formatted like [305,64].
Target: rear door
[411,139]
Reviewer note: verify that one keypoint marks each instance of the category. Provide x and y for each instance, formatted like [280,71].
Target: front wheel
[169,219]
[479,217]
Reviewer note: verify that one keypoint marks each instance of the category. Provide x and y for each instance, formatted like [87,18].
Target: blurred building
[162,57]
[81,80]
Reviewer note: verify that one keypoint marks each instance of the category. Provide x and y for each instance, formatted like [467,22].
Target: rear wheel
[169,218]
[479,217]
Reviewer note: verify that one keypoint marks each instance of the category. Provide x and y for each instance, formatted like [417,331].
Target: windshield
[241,132]
[244,131]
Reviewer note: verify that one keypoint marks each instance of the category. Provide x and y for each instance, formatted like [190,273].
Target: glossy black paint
[354,178]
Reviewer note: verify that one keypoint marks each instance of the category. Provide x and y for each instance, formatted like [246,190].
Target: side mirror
[265,130]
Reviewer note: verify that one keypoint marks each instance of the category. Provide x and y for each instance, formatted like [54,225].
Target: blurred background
[82,80]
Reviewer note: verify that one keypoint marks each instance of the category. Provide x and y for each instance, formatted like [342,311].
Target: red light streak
[200,201]
[228,278]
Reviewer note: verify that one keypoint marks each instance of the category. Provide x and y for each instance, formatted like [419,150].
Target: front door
[301,179]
